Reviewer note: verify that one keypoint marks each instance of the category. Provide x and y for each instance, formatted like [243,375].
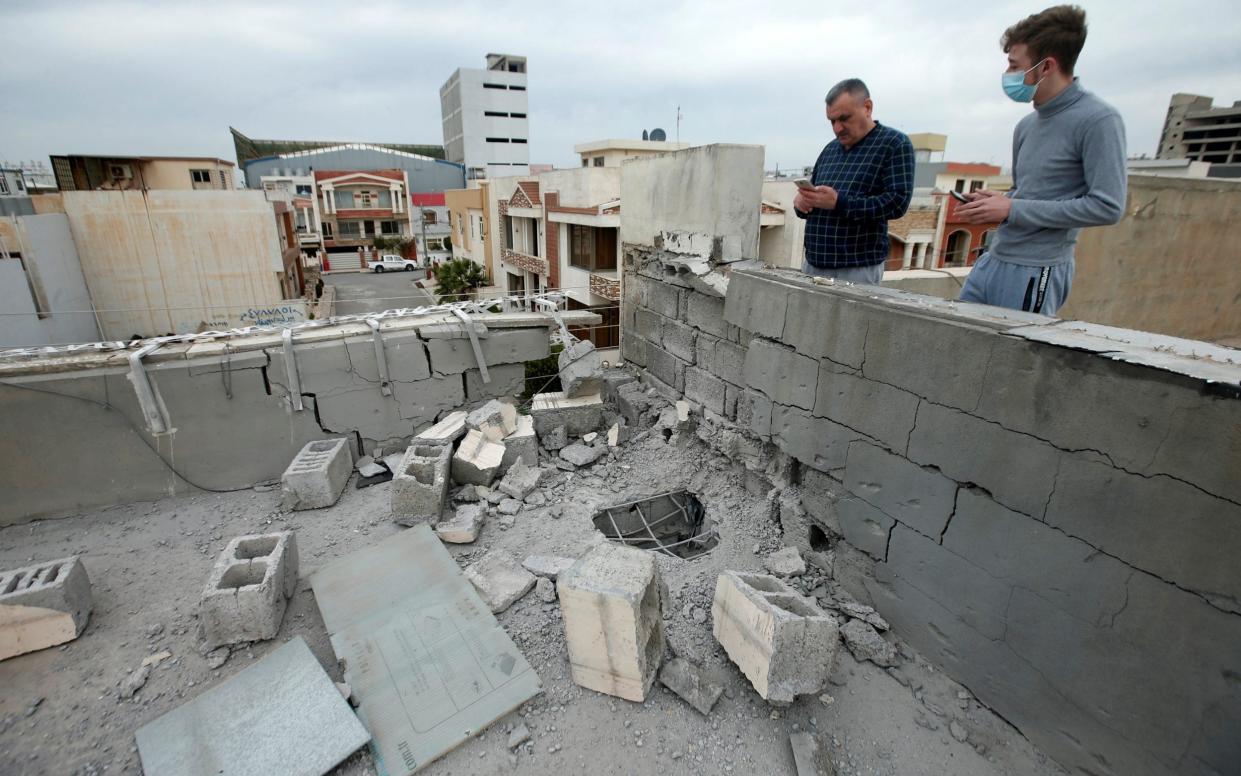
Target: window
[598,161]
[391,227]
[592,249]
[327,229]
[585,162]
[517,88]
[960,187]
[497,140]
[519,140]
[517,115]
[349,228]
[20,185]
[429,217]
[303,191]
[200,176]
[508,232]
[364,198]
[4,184]
[436,244]
[494,113]
[494,86]
[975,185]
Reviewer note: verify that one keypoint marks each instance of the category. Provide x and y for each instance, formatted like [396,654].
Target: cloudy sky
[170,77]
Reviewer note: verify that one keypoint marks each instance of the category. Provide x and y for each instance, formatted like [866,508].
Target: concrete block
[521,445]
[819,494]
[1018,470]
[581,369]
[633,348]
[919,497]
[864,526]
[690,683]
[454,330]
[420,484]
[499,579]
[678,339]
[665,367]
[942,361]
[756,304]
[877,410]
[706,313]
[632,401]
[782,642]
[661,297]
[610,600]
[579,415]
[706,389]
[556,439]
[317,475]
[649,325]
[495,420]
[821,324]
[817,442]
[722,358]
[43,605]
[477,460]
[506,380]
[404,353]
[548,566]
[450,428]
[754,413]
[463,526]
[781,373]
[246,592]
[520,480]
[513,346]
[612,380]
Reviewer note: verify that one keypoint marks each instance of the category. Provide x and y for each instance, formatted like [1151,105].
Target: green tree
[456,280]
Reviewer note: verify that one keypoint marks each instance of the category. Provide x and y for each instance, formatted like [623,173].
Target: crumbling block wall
[1051,516]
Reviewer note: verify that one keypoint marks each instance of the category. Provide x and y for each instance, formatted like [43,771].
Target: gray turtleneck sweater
[1068,172]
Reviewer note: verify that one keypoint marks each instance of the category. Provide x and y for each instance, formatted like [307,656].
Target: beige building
[142,173]
[470,224]
[611,153]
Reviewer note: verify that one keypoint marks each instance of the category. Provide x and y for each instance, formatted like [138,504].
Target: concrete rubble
[463,526]
[580,454]
[547,565]
[521,445]
[520,480]
[477,460]
[43,605]
[317,474]
[581,369]
[420,485]
[244,598]
[866,644]
[495,420]
[447,431]
[612,605]
[691,684]
[786,562]
[499,579]
[579,414]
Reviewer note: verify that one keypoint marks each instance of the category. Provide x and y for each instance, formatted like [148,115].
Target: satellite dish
[658,135]
[645,135]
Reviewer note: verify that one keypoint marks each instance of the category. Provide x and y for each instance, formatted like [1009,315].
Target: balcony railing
[606,286]
[524,261]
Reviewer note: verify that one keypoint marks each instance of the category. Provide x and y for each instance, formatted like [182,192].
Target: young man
[1068,170]
[862,179]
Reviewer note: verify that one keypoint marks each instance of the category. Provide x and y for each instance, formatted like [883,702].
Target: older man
[862,179]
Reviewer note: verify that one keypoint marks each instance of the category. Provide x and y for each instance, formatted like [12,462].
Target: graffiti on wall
[273,316]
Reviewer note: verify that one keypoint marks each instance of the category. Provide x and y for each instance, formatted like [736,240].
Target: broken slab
[520,480]
[245,595]
[499,579]
[690,684]
[450,428]
[45,604]
[280,715]
[548,566]
[866,644]
[786,562]
[477,460]
[581,369]
[496,419]
[420,485]
[463,526]
[317,475]
[448,669]
[610,600]
[579,415]
[521,445]
[579,454]
[781,641]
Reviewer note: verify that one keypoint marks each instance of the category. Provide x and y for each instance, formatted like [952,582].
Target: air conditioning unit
[120,171]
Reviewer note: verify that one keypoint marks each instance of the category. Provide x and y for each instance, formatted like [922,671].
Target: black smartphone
[958,196]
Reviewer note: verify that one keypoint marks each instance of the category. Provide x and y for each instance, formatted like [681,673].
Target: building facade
[613,152]
[358,206]
[485,116]
[470,223]
[1197,130]
[142,173]
[432,228]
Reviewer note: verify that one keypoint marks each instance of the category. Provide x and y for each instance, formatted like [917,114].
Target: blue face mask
[1015,85]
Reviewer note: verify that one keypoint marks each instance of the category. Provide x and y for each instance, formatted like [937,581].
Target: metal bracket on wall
[152,411]
[381,360]
[478,348]
[552,308]
[290,369]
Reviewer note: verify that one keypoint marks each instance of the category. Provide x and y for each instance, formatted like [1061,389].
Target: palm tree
[456,280]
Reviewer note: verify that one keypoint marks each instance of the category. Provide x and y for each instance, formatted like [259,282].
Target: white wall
[782,246]
[51,266]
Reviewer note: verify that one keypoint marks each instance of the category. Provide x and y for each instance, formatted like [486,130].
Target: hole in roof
[674,524]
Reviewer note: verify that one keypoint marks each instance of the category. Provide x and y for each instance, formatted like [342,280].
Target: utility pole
[678,123]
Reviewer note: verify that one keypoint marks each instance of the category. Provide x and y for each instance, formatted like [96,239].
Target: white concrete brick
[477,460]
[317,474]
[246,592]
[420,484]
[43,605]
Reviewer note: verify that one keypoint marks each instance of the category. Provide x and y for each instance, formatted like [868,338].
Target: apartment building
[432,229]
[142,173]
[485,116]
[470,224]
[613,152]
[1196,129]
[358,206]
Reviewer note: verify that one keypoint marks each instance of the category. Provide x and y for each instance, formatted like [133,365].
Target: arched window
[958,248]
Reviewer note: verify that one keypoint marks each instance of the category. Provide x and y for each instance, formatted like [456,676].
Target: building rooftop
[250,148]
[625,144]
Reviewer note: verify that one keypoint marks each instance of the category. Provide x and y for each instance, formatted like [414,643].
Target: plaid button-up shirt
[875,181]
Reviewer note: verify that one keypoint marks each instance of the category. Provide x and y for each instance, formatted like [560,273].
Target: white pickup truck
[390,261]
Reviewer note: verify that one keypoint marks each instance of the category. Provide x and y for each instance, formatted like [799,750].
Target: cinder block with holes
[248,587]
[43,605]
[781,641]
[611,601]
[420,484]
[317,475]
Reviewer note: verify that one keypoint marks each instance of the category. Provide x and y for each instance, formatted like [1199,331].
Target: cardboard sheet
[427,661]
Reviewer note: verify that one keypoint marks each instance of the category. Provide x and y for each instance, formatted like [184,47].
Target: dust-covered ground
[61,712]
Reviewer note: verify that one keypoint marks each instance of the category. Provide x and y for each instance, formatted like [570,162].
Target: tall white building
[486,126]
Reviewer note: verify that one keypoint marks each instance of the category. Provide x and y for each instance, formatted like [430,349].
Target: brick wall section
[551,230]
[1055,528]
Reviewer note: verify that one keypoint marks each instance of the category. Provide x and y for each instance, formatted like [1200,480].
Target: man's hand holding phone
[810,197]
[985,206]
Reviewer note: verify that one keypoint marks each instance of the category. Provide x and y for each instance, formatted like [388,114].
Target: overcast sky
[169,78]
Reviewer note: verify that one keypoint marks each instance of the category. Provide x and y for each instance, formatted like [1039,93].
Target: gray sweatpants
[872,275]
[1018,287]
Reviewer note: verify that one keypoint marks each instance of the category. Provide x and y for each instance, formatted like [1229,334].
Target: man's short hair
[1058,32]
[853,86]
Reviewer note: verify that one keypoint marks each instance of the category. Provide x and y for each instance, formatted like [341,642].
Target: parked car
[390,261]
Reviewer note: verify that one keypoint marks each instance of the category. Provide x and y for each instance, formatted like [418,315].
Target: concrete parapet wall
[1052,509]
[73,435]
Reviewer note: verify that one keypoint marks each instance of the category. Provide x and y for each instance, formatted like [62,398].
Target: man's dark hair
[853,86]
[1058,32]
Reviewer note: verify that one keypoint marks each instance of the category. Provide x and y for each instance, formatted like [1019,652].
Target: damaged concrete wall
[73,437]
[1050,511]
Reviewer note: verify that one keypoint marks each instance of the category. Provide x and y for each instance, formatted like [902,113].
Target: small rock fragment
[579,454]
[509,506]
[499,579]
[463,526]
[546,590]
[520,480]
[866,644]
[156,659]
[519,736]
[785,563]
[687,681]
[134,682]
[218,657]
[555,439]
[958,732]
[548,566]
[468,494]
[806,755]
[590,437]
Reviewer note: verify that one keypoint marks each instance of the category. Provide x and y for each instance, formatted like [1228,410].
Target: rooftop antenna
[678,123]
